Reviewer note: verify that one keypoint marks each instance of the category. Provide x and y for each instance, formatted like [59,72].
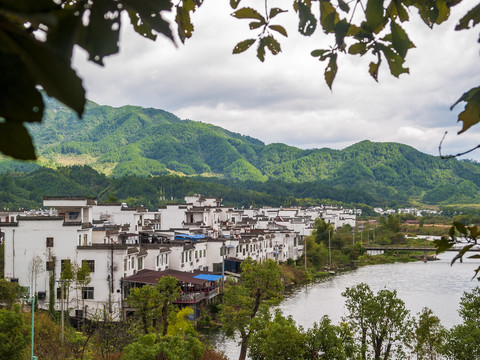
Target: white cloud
[286,99]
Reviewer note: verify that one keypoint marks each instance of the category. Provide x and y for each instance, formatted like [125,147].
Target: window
[183,260]
[59,293]
[49,266]
[204,252]
[87,293]
[196,254]
[124,264]
[140,263]
[64,263]
[158,260]
[49,241]
[90,264]
[79,240]
[190,255]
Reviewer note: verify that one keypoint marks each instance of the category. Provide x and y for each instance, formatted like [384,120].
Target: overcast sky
[286,99]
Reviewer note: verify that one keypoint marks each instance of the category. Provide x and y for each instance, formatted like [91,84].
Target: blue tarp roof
[208,277]
[189,237]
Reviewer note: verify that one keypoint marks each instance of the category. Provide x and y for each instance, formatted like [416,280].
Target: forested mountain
[135,141]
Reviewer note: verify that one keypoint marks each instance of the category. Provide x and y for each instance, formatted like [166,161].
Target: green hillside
[140,142]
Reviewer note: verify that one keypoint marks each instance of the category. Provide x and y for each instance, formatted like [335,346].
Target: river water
[434,284]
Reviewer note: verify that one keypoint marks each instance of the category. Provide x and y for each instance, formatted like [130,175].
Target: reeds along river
[434,284]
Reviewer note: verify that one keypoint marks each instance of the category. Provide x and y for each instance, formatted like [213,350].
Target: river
[434,284]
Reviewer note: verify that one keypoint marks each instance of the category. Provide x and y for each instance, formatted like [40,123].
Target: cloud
[286,99]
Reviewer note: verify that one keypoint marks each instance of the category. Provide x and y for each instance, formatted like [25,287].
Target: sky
[285,99]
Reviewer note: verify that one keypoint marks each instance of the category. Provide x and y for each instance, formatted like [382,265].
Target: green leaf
[395,61]
[443,244]
[248,13]
[256,24]
[20,100]
[331,70]
[400,41]
[473,16]
[443,11]
[322,54]
[341,29]
[396,8]
[101,36]
[234,3]
[471,115]
[47,67]
[476,256]
[462,252]
[146,17]
[275,11]
[473,231]
[460,228]
[280,29]
[243,46]
[477,270]
[261,49]
[374,15]
[307,23]
[15,141]
[273,45]
[185,26]
[328,16]
[373,69]
[451,232]
[358,48]
[344,6]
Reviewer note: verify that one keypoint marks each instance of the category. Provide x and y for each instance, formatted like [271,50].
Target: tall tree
[259,285]
[429,335]
[384,323]
[154,303]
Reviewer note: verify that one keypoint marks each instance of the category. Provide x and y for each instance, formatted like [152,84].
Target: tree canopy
[37,40]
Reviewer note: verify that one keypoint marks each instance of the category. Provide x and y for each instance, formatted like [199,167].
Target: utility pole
[329,250]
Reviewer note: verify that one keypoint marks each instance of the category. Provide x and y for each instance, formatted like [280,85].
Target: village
[199,243]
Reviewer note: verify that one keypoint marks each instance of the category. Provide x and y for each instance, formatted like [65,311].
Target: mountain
[132,140]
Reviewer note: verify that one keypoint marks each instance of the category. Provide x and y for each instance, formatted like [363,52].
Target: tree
[276,337]
[384,324]
[259,285]
[14,334]
[463,340]
[327,341]
[429,335]
[10,292]
[154,303]
[37,40]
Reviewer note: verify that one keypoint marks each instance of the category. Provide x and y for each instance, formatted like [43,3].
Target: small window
[124,264]
[140,263]
[49,266]
[158,260]
[79,240]
[59,293]
[204,252]
[87,293]
[90,263]
[196,254]
[49,241]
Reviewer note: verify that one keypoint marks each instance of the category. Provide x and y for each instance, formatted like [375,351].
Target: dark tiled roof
[147,276]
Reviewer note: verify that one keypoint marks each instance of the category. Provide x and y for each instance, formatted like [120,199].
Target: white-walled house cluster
[126,247]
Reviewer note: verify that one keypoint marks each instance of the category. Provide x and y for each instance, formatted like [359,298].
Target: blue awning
[208,277]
